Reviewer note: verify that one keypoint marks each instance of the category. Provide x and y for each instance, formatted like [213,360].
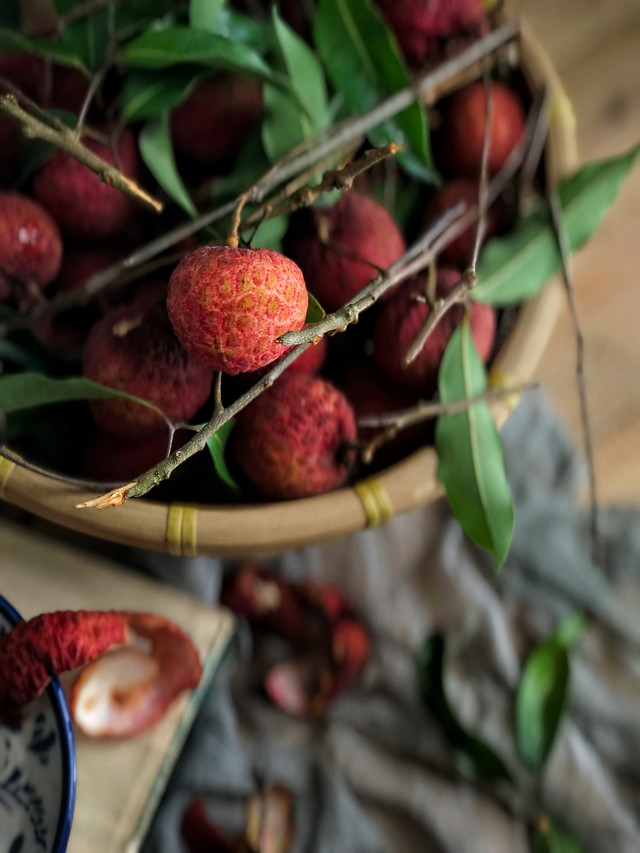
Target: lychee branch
[66,140]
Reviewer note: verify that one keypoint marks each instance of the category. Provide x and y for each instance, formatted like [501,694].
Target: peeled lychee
[82,205]
[464,123]
[133,349]
[291,442]
[459,252]
[402,317]
[228,306]
[212,123]
[30,243]
[332,247]
[421,25]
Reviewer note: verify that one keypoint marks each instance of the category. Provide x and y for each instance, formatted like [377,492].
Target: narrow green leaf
[570,630]
[12,41]
[516,267]
[474,758]
[27,390]
[146,94]
[217,445]
[270,233]
[174,45]
[554,839]
[284,124]
[470,462]
[205,14]
[89,37]
[364,64]
[156,149]
[250,165]
[315,311]
[540,702]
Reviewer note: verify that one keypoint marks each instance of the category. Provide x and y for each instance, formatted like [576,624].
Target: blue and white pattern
[37,771]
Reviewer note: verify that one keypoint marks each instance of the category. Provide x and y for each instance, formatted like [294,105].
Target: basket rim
[251,529]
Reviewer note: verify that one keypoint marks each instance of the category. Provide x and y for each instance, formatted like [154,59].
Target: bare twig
[96,82]
[21,462]
[483,183]
[67,141]
[565,252]
[540,111]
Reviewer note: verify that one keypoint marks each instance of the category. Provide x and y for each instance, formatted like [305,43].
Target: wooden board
[119,782]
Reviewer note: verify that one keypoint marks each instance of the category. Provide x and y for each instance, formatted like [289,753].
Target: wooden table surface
[595,45]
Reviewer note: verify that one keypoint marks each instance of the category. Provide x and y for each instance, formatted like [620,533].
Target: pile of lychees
[223,308]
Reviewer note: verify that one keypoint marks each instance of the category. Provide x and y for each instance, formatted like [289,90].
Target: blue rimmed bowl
[37,770]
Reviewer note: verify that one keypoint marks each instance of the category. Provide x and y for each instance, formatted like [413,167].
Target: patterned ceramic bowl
[37,770]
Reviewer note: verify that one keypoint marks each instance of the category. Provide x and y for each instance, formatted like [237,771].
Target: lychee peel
[133,349]
[291,441]
[30,242]
[361,227]
[228,306]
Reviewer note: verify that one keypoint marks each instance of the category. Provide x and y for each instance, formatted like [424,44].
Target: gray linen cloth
[376,773]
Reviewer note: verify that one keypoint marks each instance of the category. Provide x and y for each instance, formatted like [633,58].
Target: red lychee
[401,319]
[459,252]
[111,460]
[211,124]
[133,349]
[82,205]
[291,441]
[332,247]
[228,306]
[464,122]
[421,25]
[30,243]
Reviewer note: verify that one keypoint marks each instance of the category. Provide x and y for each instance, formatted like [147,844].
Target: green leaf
[12,41]
[516,267]
[270,233]
[284,125]
[251,164]
[474,758]
[554,839]
[174,45]
[315,311]
[569,630]
[27,390]
[89,37]
[540,702]
[146,94]
[470,463]
[205,14]
[156,150]
[217,445]
[364,64]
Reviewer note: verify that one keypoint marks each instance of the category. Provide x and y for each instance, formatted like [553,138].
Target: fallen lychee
[422,25]
[30,243]
[464,123]
[228,306]
[340,248]
[133,349]
[402,317]
[291,442]
[211,124]
[82,205]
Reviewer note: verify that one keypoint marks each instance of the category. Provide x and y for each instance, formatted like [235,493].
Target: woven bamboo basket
[237,531]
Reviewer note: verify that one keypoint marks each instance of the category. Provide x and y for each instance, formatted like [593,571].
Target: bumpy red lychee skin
[228,306]
[51,643]
[30,243]
[290,441]
[212,123]
[422,25]
[464,124]
[361,226]
[133,349]
[83,206]
[465,190]
[401,319]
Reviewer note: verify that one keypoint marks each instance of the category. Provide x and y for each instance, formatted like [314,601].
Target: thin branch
[21,462]
[565,252]
[481,228]
[67,141]
[219,408]
[6,86]
[96,82]
[540,111]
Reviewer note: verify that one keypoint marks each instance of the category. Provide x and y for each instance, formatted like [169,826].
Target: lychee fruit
[459,252]
[109,459]
[402,317]
[228,306]
[464,123]
[340,248]
[422,25]
[23,70]
[211,124]
[133,349]
[30,243]
[82,205]
[292,441]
